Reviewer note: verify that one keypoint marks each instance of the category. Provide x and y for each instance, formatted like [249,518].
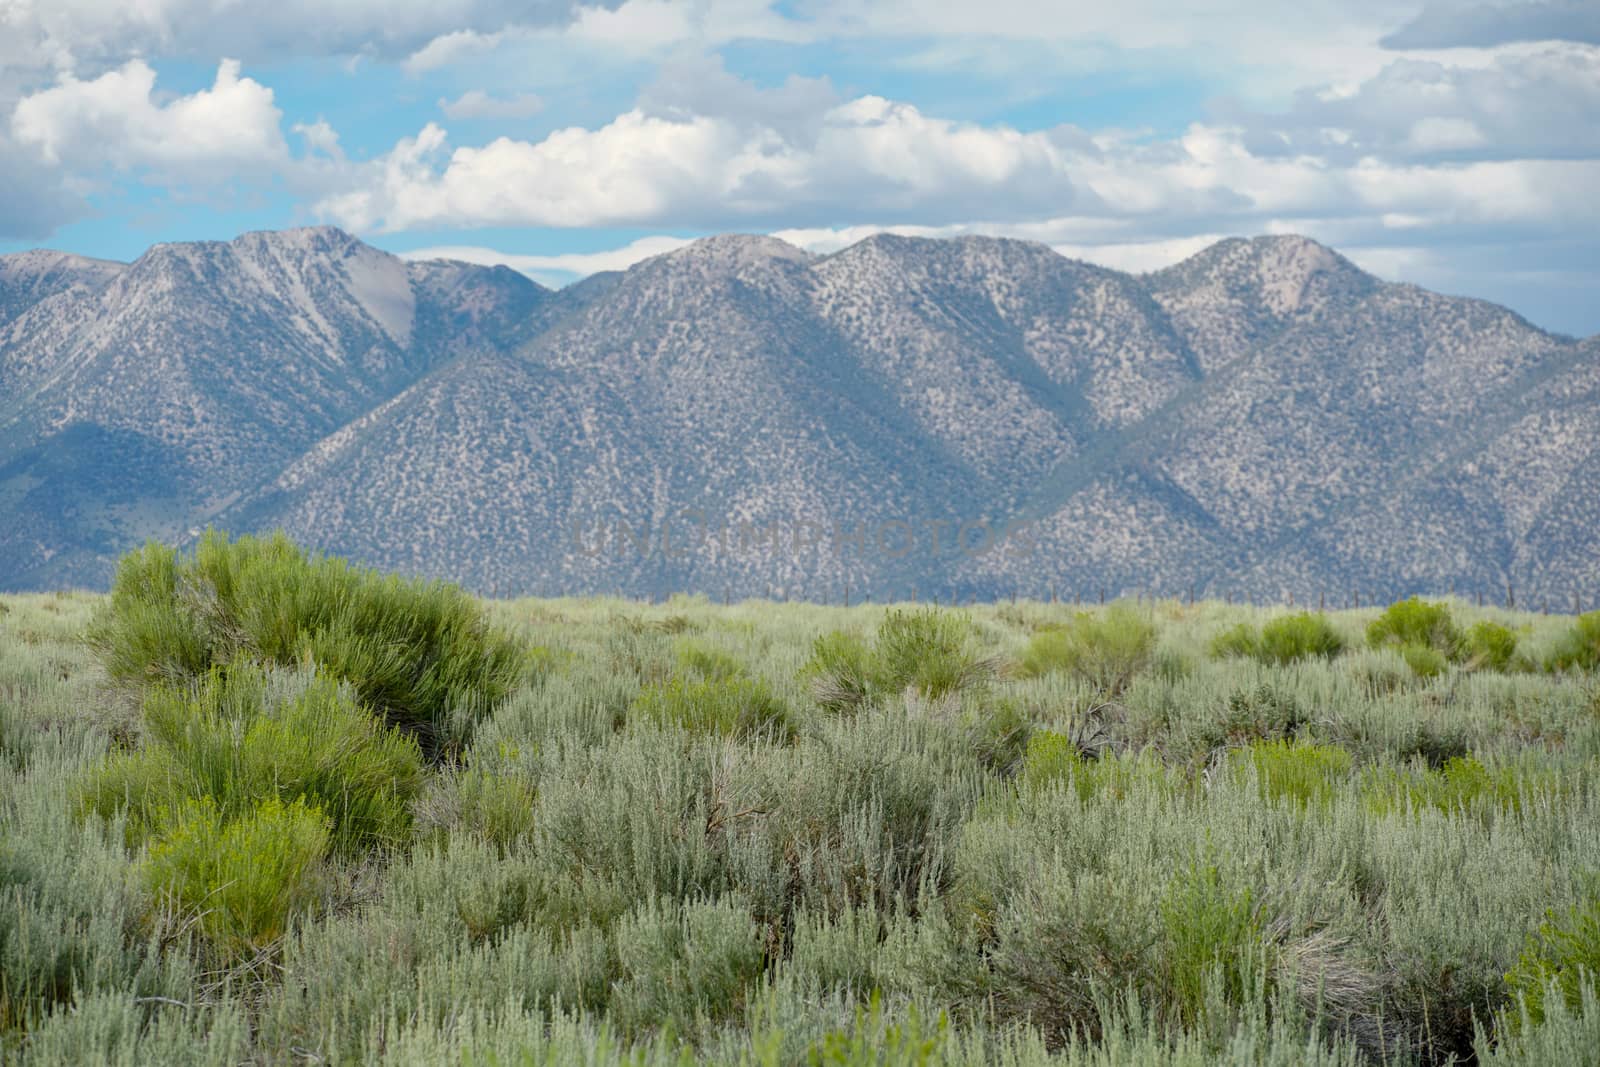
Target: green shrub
[1565,1035]
[244,735]
[1425,662]
[1414,623]
[1284,640]
[421,654]
[1210,927]
[735,707]
[1053,757]
[1564,957]
[1300,636]
[242,877]
[1579,647]
[1107,650]
[874,1040]
[1238,640]
[1461,783]
[1490,646]
[840,671]
[706,662]
[927,651]
[1306,773]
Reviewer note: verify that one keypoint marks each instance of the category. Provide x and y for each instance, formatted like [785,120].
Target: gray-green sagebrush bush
[1301,859]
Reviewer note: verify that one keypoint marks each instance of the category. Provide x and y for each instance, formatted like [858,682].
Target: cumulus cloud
[1487,25]
[868,156]
[690,85]
[868,164]
[117,120]
[872,160]
[614,34]
[69,34]
[1521,105]
[321,138]
[36,200]
[477,104]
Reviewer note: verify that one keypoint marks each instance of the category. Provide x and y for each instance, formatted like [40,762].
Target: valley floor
[781,833]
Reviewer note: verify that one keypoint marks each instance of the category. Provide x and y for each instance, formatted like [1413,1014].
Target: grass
[773,834]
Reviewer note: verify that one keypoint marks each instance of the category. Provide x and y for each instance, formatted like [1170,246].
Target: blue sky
[1454,145]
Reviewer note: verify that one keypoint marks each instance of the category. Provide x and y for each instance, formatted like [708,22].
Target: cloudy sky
[1453,144]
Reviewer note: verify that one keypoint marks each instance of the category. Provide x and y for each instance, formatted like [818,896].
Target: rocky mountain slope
[965,417]
[137,401]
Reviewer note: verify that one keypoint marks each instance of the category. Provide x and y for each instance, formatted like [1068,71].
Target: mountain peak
[1285,274]
[301,238]
[736,250]
[27,278]
[38,261]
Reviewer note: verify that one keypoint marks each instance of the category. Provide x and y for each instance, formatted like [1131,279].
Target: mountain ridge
[1219,423]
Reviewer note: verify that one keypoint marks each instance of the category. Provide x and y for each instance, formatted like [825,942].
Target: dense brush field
[258,807]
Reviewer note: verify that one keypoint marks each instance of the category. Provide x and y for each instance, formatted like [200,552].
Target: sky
[1454,145]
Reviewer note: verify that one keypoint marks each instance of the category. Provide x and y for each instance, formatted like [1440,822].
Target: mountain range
[941,418]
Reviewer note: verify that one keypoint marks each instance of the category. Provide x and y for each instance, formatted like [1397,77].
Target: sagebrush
[610,832]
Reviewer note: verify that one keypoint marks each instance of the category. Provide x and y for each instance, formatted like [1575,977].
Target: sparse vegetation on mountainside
[261,807]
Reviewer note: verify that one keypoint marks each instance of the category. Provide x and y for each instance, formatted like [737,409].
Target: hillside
[1262,419]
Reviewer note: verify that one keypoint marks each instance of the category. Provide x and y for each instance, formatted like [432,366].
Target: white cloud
[560,267]
[1436,134]
[321,137]
[451,48]
[74,34]
[36,199]
[117,120]
[1486,25]
[883,158]
[612,35]
[867,164]
[1518,103]
[477,104]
